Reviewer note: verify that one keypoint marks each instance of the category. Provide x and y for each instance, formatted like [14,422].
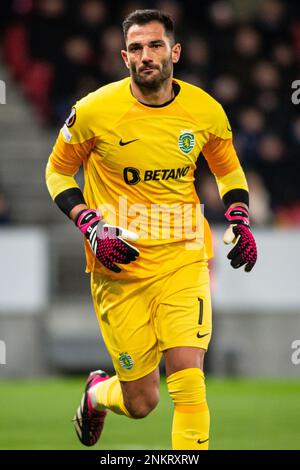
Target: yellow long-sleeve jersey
[139,163]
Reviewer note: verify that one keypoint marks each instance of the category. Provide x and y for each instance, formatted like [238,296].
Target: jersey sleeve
[221,156]
[73,146]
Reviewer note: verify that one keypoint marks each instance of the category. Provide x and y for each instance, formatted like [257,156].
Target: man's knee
[187,387]
[142,395]
[141,405]
[184,357]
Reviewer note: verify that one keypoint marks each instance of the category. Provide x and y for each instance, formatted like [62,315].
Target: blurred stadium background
[247,54]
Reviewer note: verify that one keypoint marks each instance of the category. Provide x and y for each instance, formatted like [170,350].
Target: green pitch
[246,414]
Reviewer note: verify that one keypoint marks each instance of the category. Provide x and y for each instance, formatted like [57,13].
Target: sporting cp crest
[186,140]
[126,361]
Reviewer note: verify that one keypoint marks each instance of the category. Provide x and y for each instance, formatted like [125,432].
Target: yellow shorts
[139,319]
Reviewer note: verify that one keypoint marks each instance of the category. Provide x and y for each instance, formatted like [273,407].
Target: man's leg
[124,310]
[184,325]
[135,399]
[186,384]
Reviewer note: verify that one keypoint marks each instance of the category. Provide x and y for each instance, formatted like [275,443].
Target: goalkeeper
[138,141]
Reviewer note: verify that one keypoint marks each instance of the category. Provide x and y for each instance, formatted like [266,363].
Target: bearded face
[150,55]
[151,75]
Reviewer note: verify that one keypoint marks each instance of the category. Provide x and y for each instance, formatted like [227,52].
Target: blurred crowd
[245,53]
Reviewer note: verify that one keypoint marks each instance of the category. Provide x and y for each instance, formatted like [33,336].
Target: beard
[155,82]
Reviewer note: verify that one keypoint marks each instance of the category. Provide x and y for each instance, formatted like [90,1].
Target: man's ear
[176,51]
[125,58]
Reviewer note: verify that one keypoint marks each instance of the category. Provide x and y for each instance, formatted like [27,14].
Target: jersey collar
[176,89]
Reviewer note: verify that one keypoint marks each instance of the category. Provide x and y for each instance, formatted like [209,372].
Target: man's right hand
[106,240]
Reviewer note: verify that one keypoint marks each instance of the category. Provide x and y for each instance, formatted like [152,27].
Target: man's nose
[146,54]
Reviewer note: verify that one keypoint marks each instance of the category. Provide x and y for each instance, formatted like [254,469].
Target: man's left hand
[244,251]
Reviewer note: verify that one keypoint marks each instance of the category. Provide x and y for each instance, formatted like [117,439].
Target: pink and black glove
[244,250]
[106,240]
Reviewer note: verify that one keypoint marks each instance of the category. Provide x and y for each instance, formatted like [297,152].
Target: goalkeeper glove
[244,250]
[105,240]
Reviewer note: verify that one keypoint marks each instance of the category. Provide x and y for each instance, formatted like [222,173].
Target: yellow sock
[108,394]
[191,421]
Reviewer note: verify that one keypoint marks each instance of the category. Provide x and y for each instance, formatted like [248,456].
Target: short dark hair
[142,17]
